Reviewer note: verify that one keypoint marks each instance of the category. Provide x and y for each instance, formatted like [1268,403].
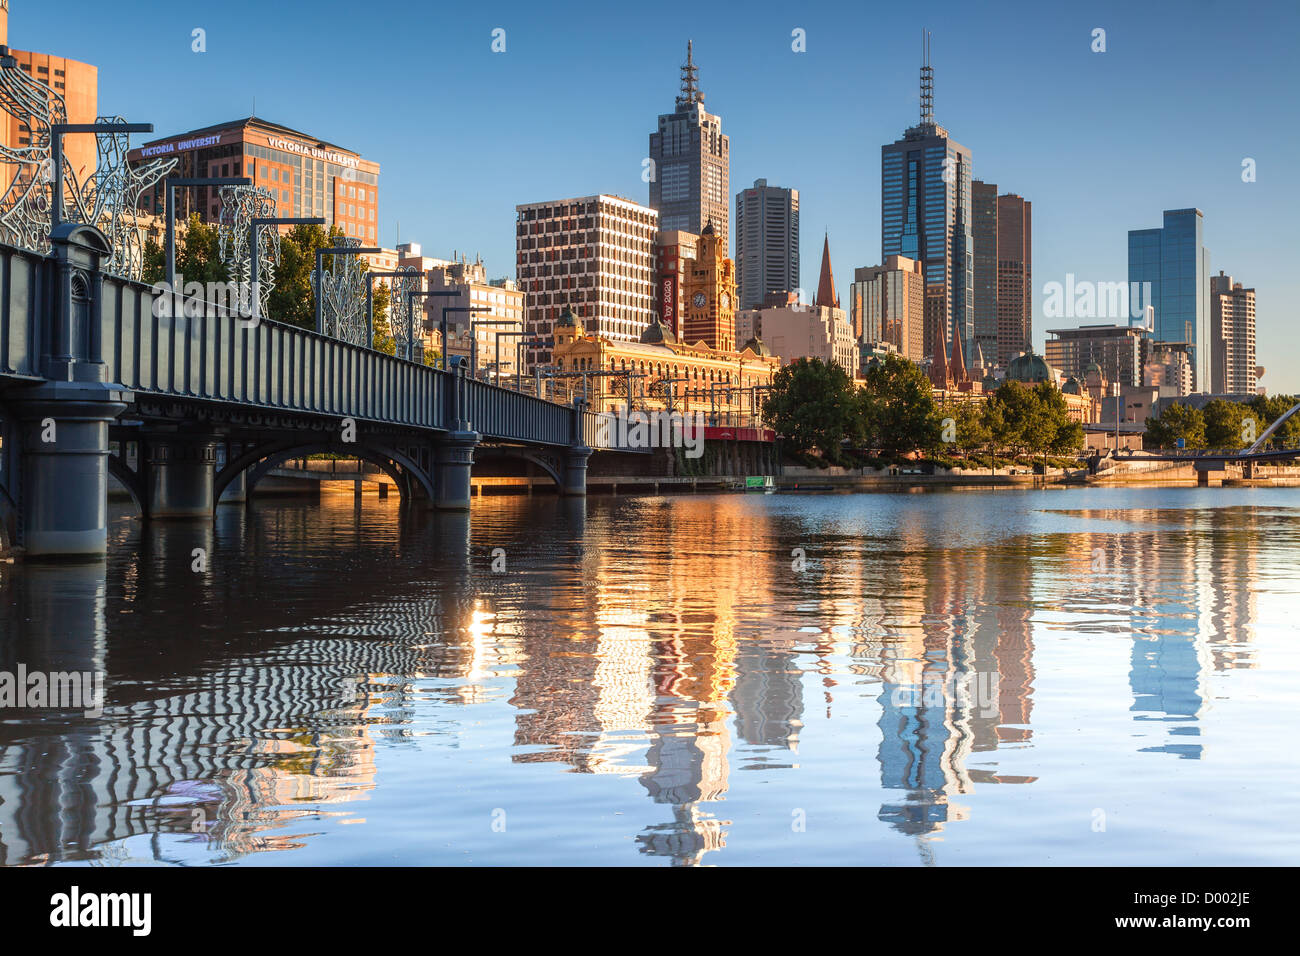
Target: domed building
[1030,369]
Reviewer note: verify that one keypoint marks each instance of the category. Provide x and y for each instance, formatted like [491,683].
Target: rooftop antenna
[927,81]
[690,94]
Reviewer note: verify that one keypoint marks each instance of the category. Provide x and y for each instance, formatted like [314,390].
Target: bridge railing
[21,274]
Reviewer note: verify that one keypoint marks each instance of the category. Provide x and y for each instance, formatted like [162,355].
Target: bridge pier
[574,475]
[180,472]
[64,452]
[452,463]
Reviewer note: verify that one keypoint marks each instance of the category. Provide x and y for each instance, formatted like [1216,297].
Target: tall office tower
[595,254]
[925,201]
[1175,262]
[767,242]
[888,305]
[1232,337]
[710,295]
[1004,293]
[1015,310]
[689,183]
[984,232]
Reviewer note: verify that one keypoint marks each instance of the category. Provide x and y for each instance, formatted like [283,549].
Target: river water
[1064,676]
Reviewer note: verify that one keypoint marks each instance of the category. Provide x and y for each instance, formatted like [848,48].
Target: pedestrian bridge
[88,371]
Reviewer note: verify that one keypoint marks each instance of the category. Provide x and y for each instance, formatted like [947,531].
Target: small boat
[760,484]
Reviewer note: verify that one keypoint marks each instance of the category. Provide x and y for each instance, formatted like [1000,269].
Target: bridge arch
[258,461]
[1268,433]
[128,479]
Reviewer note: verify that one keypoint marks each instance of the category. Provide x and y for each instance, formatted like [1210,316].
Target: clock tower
[709,301]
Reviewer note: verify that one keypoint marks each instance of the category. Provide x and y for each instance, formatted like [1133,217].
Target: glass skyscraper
[926,214]
[1175,262]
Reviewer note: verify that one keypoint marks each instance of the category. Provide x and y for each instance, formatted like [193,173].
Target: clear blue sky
[1100,142]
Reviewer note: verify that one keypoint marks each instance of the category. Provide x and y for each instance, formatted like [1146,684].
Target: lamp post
[442,327]
[410,299]
[57,132]
[169,203]
[411,296]
[320,255]
[507,333]
[519,362]
[473,340]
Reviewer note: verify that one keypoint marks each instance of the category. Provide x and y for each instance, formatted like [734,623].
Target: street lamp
[320,255]
[473,340]
[410,305]
[57,131]
[170,206]
[442,326]
[507,333]
[519,362]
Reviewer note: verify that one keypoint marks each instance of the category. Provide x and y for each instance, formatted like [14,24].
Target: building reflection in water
[662,640]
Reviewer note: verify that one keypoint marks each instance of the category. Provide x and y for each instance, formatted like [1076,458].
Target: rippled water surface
[1096,676]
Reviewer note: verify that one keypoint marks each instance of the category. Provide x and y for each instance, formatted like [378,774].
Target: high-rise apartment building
[767,242]
[595,254]
[1004,293]
[1232,337]
[926,214]
[1174,260]
[710,295]
[887,305]
[690,170]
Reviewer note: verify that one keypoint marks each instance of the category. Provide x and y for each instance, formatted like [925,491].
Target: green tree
[292,301]
[1269,409]
[383,333]
[1175,422]
[814,406]
[899,407]
[969,430]
[1061,434]
[153,261]
[1224,424]
[1013,417]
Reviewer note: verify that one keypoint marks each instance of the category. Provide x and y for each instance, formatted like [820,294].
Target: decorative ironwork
[342,291]
[403,311]
[240,205]
[109,197]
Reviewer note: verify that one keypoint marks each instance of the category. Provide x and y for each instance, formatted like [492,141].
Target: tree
[293,301]
[899,407]
[814,406]
[1269,409]
[383,333]
[969,431]
[1225,424]
[1012,415]
[1175,422]
[1061,434]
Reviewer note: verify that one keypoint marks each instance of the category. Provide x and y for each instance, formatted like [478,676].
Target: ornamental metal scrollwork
[240,205]
[342,291]
[108,198]
[402,311]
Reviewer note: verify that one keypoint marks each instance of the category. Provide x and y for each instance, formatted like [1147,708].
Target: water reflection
[693,647]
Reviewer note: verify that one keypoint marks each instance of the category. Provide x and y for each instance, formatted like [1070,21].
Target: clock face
[699,300]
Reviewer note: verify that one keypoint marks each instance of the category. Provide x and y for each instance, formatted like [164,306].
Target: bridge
[87,369]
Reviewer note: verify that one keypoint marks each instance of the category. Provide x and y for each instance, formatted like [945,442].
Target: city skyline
[1082,162]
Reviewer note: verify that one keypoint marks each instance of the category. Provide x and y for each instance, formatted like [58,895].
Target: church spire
[826,284]
[690,94]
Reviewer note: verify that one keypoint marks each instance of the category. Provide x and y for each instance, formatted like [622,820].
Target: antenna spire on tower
[927,82]
[690,94]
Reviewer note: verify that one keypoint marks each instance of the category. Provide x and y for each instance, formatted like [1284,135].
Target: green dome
[1029,369]
[656,333]
[566,318]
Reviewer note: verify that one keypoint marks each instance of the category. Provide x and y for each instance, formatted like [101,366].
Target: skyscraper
[925,202]
[888,305]
[594,254]
[1015,253]
[1175,262]
[690,178]
[1232,337]
[767,242]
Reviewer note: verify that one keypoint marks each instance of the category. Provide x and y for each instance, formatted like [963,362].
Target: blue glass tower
[926,214]
[1176,263]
